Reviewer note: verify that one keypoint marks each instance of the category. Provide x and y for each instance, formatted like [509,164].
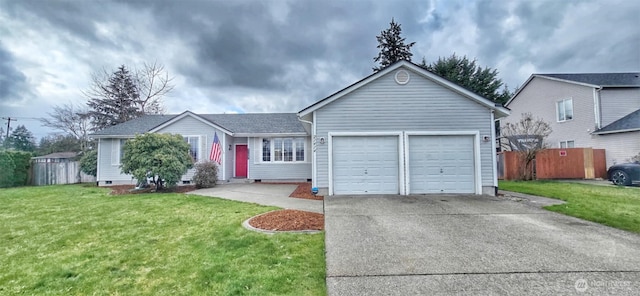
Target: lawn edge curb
[248,226]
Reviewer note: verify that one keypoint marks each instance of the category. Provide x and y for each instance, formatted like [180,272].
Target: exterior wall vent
[402,77]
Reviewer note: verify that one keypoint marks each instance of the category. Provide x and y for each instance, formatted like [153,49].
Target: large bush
[14,168]
[89,163]
[163,157]
[206,175]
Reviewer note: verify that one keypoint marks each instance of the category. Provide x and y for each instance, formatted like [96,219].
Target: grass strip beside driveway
[617,207]
[67,240]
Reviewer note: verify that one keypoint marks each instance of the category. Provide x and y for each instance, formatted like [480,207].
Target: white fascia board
[617,131]
[269,135]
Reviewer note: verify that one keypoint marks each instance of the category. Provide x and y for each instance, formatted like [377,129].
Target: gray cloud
[267,56]
[13,83]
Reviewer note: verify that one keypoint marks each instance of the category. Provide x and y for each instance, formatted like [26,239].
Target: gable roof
[629,123]
[234,124]
[595,80]
[500,111]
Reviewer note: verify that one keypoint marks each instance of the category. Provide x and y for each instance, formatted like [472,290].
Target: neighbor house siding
[616,103]
[619,147]
[277,171]
[420,105]
[189,126]
[229,161]
[539,98]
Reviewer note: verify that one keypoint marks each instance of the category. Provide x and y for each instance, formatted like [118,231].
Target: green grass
[77,240]
[617,207]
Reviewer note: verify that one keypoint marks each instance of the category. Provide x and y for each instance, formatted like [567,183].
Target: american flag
[216,150]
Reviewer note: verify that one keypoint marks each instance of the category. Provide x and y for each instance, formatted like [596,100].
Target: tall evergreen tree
[118,102]
[392,47]
[21,139]
[466,73]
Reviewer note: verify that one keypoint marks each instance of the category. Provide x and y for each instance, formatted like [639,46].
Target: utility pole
[9,119]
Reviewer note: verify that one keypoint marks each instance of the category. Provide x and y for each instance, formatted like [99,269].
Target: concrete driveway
[471,245]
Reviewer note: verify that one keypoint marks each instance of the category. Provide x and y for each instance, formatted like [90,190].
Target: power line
[9,119]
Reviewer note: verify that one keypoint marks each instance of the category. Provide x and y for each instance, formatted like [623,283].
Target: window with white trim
[283,149]
[567,144]
[564,109]
[194,146]
[117,151]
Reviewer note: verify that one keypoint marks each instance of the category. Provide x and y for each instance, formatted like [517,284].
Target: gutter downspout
[596,107]
[313,149]
[493,152]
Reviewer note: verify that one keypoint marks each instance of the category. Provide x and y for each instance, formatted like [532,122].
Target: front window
[567,144]
[194,146]
[564,109]
[266,150]
[283,149]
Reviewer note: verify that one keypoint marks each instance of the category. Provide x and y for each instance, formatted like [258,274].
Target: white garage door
[365,165]
[441,164]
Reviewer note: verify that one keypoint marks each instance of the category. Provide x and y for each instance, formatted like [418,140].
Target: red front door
[241,161]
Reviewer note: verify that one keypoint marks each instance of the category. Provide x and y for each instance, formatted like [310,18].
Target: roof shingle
[627,123]
[248,123]
[601,79]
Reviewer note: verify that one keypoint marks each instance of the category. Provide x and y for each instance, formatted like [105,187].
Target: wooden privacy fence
[51,173]
[558,163]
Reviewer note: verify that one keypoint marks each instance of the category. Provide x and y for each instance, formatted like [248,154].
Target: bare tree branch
[71,119]
[153,84]
[526,137]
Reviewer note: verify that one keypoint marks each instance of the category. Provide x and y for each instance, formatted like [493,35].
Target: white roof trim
[195,116]
[617,131]
[269,135]
[426,74]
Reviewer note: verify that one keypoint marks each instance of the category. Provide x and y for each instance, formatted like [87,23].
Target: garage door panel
[441,164]
[365,164]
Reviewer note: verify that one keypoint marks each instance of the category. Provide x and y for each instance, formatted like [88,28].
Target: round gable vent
[402,77]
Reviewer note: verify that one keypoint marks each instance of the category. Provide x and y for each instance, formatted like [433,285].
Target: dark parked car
[624,173]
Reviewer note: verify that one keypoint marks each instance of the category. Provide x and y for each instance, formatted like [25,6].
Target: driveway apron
[475,245]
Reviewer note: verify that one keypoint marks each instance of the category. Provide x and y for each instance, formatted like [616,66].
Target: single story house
[402,130]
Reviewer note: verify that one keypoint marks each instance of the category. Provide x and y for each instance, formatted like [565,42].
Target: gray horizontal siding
[420,105]
[189,126]
[277,171]
[109,171]
[616,103]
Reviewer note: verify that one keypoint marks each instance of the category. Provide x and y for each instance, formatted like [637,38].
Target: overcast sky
[279,56]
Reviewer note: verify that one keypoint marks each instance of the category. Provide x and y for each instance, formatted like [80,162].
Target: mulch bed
[304,191]
[126,189]
[288,220]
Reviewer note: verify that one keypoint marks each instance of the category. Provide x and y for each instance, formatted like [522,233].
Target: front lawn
[70,240]
[617,207]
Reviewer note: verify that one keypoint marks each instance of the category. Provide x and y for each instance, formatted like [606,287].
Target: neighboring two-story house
[598,110]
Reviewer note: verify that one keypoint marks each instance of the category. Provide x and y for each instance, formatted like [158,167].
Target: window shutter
[202,155]
[115,151]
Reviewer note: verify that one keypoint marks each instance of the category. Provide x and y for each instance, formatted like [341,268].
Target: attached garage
[403,130]
[441,164]
[366,164]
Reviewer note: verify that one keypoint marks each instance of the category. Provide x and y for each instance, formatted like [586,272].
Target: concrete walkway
[264,194]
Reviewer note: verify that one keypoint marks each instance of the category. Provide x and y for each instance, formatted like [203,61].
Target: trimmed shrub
[14,167]
[89,163]
[206,175]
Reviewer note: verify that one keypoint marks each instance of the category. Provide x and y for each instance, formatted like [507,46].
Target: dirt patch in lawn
[288,220]
[304,191]
[128,189]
